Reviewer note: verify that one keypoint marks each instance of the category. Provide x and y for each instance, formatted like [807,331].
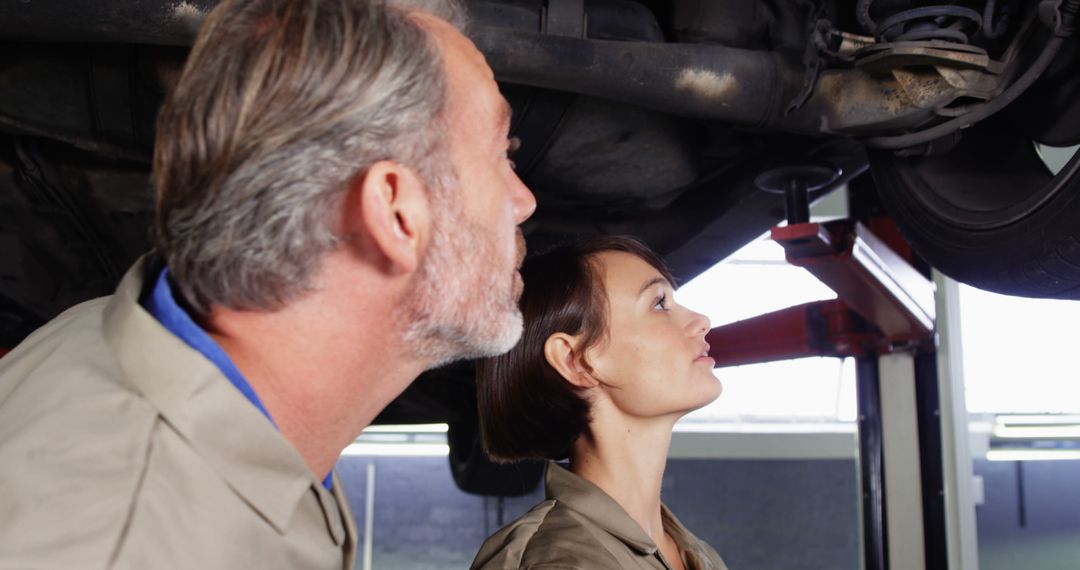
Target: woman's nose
[699,323]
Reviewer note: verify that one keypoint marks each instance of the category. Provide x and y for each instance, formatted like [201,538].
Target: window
[1020,355]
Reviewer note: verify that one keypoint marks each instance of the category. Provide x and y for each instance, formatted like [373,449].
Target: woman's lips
[703,356]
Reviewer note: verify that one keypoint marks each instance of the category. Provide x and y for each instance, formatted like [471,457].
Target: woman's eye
[661,303]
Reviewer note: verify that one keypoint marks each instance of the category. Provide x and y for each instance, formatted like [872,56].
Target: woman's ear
[389,206]
[560,350]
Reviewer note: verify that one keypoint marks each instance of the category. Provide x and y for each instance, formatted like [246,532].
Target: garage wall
[422,521]
[1030,516]
[759,514]
[769,514]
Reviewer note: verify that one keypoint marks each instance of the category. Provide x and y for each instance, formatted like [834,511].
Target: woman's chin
[710,391]
[715,389]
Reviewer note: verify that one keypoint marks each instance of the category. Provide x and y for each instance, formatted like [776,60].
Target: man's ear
[389,206]
[560,351]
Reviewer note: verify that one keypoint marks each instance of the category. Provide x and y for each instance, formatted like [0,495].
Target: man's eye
[513,143]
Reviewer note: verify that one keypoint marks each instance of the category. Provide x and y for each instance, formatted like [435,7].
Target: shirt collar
[163,305]
[192,396]
[591,501]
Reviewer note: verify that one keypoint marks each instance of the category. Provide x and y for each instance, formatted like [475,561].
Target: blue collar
[162,304]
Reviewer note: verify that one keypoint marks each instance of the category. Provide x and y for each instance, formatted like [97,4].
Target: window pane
[806,389]
[752,281]
[1020,355]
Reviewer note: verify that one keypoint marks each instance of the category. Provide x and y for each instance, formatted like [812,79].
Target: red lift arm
[882,301]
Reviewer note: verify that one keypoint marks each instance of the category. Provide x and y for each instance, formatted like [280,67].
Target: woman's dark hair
[527,409]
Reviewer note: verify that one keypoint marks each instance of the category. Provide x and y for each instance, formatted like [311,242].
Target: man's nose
[523,200]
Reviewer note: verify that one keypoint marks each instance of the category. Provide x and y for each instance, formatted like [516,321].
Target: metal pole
[900,445]
[931,455]
[796,201]
[960,530]
[871,462]
[369,516]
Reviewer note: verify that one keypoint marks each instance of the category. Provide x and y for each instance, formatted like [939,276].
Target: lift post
[884,317]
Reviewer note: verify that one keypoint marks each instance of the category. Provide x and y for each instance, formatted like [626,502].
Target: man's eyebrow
[658,280]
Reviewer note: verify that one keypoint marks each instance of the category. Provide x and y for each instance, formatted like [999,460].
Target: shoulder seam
[556,566]
[578,515]
[539,525]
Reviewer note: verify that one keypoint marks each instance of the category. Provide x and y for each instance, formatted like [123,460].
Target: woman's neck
[626,458]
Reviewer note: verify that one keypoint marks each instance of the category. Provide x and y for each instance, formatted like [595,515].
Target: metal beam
[871,278]
[871,465]
[957,474]
[900,445]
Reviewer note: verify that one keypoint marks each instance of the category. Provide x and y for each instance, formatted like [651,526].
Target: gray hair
[281,104]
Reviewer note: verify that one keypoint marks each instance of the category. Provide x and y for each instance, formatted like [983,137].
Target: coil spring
[940,22]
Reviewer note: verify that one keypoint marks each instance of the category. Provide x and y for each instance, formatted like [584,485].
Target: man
[337,212]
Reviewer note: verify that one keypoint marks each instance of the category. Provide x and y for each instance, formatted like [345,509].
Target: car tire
[989,212]
[475,473]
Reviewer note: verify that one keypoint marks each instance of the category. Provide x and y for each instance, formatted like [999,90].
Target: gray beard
[463,303]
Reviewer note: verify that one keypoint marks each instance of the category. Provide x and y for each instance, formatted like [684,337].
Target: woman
[606,365]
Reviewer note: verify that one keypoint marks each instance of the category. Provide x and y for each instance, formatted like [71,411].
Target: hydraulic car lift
[884,317]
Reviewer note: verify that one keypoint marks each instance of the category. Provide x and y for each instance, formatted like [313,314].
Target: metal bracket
[883,58]
[870,277]
[565,18]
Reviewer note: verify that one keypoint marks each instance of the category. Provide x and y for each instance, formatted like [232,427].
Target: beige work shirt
[579,526]
[121,447]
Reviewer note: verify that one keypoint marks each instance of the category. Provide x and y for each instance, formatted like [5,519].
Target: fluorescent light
[1042,426]
[1046,431]
[1032,454]
[408,428]
[1039,419]
[397,450]
[764,427]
